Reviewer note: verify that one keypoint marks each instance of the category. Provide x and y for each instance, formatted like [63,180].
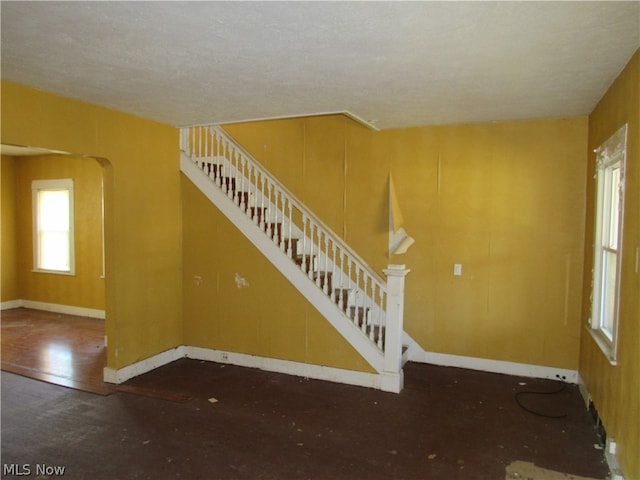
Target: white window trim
[610,153]
[53,184]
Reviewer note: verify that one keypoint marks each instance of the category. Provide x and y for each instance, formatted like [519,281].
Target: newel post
[392,378]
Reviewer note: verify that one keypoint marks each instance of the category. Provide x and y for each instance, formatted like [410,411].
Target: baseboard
[54,307]
[612,460]
[390,383]
[299,369]
[610,445]
[121,375]
[494,366]
[584,391]
[10,304]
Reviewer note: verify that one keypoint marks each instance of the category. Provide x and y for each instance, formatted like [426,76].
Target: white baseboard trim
[121,375]
[611,446]
[584,391]
[54,307]
[494,366]
[288,367]
[10,304]
[299,369]
[384,382]
[612,459]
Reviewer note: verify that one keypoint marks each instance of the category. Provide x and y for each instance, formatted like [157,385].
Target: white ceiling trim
[371,125]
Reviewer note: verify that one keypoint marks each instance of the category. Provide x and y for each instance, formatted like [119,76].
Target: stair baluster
[312,253]
[220,156]
[262,219]
[254,184]
[316,269]
[333,293]
[280,211]
[269,209]
[341,300]
[289,236]
[367,311]
[342,276]
[380,317]
[304,243]
[325,282]
[243,200]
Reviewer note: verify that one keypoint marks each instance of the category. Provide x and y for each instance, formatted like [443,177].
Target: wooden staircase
[364,308]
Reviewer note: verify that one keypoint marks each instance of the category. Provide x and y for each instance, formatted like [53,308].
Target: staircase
[359,303]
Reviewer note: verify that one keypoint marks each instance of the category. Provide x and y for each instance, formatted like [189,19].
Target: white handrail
[335,268]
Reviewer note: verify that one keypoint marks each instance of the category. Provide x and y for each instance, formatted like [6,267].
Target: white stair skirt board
[385,382]
[289,269]
[55,307]
[298,369]
[416,354]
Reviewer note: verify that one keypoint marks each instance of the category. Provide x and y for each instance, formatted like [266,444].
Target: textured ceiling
[396,64]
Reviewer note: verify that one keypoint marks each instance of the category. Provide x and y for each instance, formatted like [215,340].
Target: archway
[54,323]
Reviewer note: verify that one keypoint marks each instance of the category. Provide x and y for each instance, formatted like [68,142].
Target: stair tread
[359,315]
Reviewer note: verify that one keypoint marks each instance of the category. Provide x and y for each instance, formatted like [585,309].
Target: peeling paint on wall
[241,282]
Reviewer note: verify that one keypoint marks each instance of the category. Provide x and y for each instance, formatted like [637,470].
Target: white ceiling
[396,64]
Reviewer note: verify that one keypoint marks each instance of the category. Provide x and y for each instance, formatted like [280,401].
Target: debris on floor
[519,470]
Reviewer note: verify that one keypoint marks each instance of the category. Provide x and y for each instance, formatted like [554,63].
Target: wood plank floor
[193,419]
[66,350]
[447,423]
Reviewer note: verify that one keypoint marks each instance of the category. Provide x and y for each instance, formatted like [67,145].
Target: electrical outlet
[457,269]
[225,357]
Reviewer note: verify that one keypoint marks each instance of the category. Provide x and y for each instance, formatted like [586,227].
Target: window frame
[37,186]
[610,156]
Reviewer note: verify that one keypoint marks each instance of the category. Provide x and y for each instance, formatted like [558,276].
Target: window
[53,226]
[610,164]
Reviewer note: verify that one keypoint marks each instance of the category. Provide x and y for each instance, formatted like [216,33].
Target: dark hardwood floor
[66,350]
[201,420]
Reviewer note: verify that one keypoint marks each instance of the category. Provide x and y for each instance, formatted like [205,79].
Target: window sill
[55,272]
[604,345]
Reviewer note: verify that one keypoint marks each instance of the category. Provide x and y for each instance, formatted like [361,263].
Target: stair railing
[327,260]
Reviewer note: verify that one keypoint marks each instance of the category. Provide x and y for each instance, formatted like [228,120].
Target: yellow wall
[616,389]
[142,207]
[267,317]
[504,199]
[8,266]
[86,287]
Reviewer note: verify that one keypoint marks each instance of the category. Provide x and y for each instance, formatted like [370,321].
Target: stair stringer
[300,280]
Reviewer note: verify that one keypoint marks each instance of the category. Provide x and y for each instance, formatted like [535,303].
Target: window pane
[53,235]
[54,250]
[610,165]
[607,314]
[614,205]
[54,209]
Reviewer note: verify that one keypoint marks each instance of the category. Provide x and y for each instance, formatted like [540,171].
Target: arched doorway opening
[53,321]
